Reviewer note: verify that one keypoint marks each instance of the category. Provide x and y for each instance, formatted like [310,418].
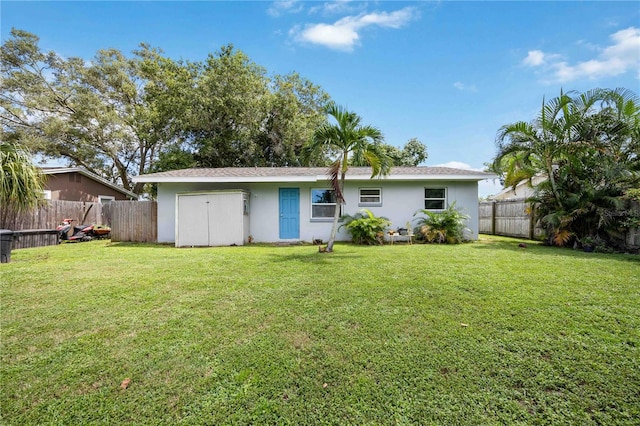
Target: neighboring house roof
[523,190]
[87,173]
[306,174]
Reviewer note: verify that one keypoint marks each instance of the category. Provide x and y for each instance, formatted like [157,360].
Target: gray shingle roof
[287,172]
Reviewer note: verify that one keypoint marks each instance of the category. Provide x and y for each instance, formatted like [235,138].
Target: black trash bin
[6,241]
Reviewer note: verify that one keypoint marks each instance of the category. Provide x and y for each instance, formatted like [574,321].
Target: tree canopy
[587,146]
[120,116]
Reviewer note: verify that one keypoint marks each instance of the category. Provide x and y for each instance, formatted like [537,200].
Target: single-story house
[522,190]
[224,206]
[78,184]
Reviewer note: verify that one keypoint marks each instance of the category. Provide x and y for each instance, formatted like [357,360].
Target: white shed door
[225,219]
[193,220]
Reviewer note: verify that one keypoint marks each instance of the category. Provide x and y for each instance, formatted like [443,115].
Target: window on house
[435,198]
[46,194]
[370,197]
[323,203]
[103,199]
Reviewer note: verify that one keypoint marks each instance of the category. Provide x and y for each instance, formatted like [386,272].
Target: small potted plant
[588,243]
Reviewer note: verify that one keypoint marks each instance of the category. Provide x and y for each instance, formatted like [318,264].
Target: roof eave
[318,178]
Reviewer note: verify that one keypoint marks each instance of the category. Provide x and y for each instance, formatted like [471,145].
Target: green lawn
[481,333]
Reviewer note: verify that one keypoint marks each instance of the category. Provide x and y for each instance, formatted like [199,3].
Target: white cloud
[534,58]
[344,34]
[621,56]
[338,6]
[465,87]
[279,7]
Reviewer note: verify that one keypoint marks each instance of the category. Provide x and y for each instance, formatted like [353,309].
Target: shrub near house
[366,228]
[447,226]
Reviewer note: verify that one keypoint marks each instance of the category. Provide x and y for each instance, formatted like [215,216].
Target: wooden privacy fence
[511,218]
[51,213]
[133,220]
[633,235]
[129,221]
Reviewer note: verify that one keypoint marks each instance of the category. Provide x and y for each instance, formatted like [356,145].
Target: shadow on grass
[313,256]
[514,245]
[127,244]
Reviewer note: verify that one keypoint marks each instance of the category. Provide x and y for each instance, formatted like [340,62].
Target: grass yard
[481,333]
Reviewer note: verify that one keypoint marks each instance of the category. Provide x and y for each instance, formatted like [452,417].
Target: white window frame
[443,199]
[107,198]
[46,194]
[321,218]
[369,203]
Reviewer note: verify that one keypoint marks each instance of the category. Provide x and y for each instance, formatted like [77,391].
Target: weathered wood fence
[50,214]
[129,221]
[633,235]
[133,220]
[511,218]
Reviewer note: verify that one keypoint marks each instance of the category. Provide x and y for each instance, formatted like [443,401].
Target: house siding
[400,200]
[77,187]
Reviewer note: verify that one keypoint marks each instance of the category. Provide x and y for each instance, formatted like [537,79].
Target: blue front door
[289,213]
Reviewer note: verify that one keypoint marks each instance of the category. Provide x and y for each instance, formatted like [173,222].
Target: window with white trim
[435,198]
[323,203]
[46,194]
[370,197]
[103,199]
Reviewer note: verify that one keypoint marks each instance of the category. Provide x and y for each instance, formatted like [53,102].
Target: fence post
[532,225]
[493,218]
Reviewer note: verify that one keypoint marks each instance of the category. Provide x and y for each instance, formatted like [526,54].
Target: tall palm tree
[586,145]
[20,183]
[349,140]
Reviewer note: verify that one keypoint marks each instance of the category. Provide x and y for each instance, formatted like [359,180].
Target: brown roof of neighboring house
[273,174]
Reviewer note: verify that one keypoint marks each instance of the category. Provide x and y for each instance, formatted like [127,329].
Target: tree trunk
[339,203]
[334,228]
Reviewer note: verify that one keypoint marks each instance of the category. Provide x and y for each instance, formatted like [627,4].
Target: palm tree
[349,140]
[586,146]
[20,183]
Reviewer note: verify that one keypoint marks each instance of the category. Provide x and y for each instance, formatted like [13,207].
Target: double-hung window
[323,203]
[370,197]
[435,198]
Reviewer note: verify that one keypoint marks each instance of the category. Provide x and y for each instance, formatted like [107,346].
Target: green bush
[447,226]
[365,228]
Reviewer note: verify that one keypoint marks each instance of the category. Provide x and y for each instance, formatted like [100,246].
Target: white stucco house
[224,206]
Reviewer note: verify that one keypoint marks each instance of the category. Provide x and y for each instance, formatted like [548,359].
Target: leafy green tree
[120,116]
[96,115]
[586,145]
[294,109]
[21,183]
[412,154]
[350,140]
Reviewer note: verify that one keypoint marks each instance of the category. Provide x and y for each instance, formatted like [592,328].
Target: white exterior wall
[400,200]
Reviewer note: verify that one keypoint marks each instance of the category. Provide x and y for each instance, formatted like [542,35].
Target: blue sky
[449,73]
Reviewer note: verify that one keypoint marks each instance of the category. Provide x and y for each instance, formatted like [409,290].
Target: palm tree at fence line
[595,132]
[21,184]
